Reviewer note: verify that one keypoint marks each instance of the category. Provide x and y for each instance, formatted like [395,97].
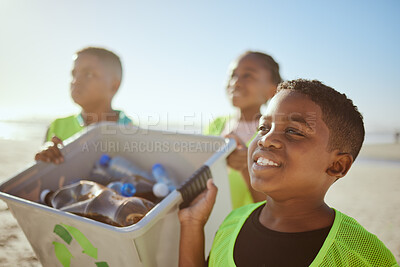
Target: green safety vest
[347,244]
[240,194]
[66,127]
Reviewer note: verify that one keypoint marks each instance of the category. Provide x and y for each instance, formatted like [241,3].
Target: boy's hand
[52,152]
[238,158]
[200,209]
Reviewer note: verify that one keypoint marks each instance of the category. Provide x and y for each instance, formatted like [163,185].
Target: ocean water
[23,130]
[36,130]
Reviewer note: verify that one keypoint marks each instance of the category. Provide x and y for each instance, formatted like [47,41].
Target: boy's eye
[295,132]
[263,128]
[89,75]
[247,76]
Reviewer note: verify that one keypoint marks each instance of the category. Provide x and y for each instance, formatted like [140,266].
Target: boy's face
[289,157]
[92,83]
[250,83]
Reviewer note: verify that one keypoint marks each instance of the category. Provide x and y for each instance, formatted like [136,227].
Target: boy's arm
[193,219]
[191,247]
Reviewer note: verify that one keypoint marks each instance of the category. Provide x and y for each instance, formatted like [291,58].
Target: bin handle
[194,185]
[197,183]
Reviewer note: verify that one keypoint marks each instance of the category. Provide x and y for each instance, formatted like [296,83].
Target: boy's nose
[76,81]
[270,140]
[234,82]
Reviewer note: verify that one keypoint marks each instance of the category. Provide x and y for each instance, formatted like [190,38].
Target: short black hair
[268,62]
[106,56]
[344,121]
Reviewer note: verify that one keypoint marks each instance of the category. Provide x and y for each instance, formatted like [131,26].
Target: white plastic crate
[60,238]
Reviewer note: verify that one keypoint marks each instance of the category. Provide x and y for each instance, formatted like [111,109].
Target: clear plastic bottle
[130,186]
[92,200]
[164,184]
[119,167]
[123,189]
[72,194]
[99,174]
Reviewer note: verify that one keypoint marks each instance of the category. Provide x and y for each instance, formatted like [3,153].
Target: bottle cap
[43,195]
[160,190]
[104,160]
[128,190]
[157,166]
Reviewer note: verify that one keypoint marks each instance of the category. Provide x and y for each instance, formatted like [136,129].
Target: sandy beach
[369,193]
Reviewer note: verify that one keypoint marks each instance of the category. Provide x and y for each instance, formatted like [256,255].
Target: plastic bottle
[116,186]
[99,174]
[130,186]
[71,194]
[144,189]
[164,184]
[121,210]
[119,167]
[92,200]
[123,189]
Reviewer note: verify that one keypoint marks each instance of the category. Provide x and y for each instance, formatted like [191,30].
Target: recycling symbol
[68,233]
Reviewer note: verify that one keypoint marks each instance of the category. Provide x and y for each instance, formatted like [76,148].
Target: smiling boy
[307,140]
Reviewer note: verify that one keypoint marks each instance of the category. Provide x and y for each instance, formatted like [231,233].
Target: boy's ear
[341,165]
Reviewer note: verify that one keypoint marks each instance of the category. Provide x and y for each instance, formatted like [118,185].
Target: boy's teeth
[266,162]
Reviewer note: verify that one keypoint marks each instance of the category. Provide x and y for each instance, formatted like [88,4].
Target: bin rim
[135,230]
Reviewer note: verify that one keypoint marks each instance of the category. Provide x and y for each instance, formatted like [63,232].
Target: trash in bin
[97,202]
[59,238]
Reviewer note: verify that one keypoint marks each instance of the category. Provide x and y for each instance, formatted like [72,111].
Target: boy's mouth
[266,162]
[237,94]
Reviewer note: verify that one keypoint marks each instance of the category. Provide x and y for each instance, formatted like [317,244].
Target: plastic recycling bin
[64,239]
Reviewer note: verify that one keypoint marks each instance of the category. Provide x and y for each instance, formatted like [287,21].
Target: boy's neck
[99,114]
[250,114]
[296,216]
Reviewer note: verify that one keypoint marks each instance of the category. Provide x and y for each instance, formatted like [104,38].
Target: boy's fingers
[238,159]
[240,143]
[212,190]
[56,140]
[209,193]
[56,155]
[39,156]
[51,151]
[52,154]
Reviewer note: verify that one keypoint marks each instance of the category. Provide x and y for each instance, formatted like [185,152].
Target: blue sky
[176,53]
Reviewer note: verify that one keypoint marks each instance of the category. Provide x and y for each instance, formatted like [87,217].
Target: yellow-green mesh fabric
[347,244]
[350,244]
[221,253]
[66,127]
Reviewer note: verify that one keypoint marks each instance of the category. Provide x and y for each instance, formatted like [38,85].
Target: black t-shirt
[259,246]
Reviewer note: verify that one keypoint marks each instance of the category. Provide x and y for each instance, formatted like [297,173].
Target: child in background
[96,77]
[307,140]
[252,82]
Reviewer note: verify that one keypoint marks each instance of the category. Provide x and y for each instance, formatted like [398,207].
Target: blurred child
[253,79]
[307,140]
[96,77]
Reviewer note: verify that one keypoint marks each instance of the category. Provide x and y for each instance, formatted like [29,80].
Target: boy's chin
[79,101]
[260,186]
